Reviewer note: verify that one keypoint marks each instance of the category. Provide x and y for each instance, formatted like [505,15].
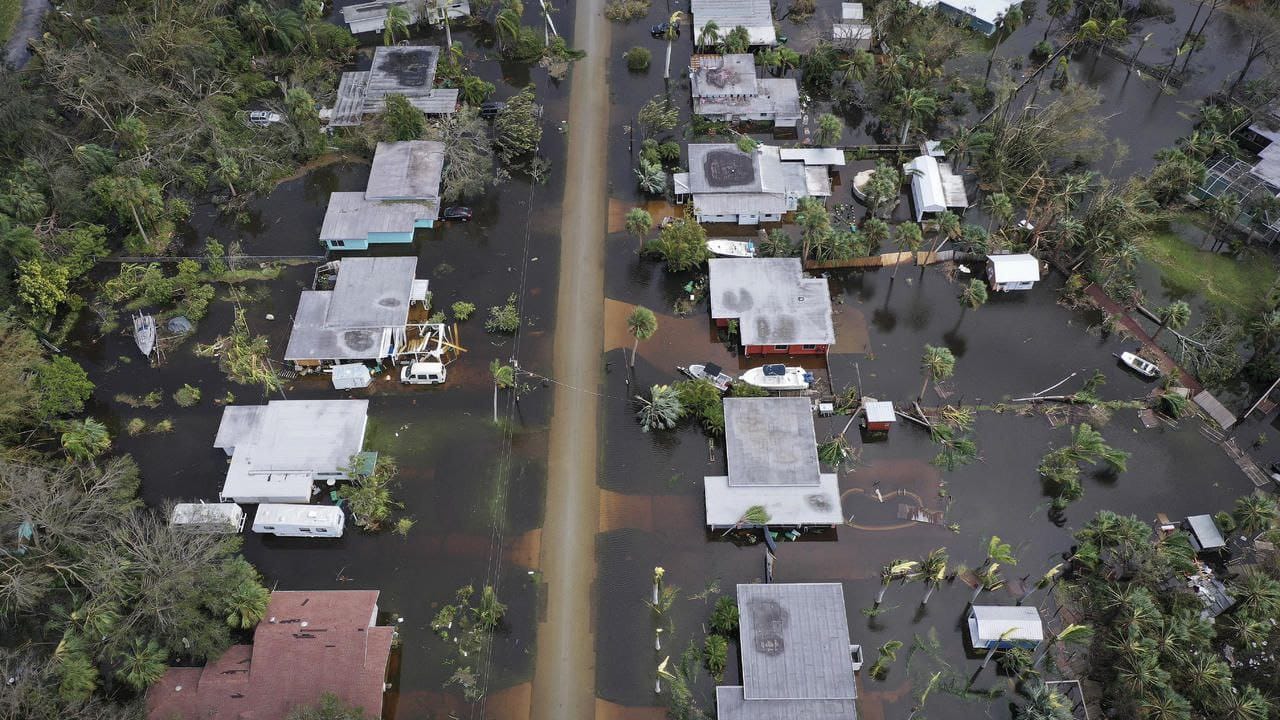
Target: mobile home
[299,520]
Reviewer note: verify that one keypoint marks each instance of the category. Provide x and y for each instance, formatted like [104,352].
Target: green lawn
[9,10]
[1236,284]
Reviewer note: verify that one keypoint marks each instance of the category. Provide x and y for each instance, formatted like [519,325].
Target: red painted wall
[790,350]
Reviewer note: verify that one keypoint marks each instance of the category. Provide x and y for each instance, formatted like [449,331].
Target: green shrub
[724,618]
[462,310]
[715,654]
[504,318]
[626,10]
[136,426]
[187,396]
[638,59]
[62,387]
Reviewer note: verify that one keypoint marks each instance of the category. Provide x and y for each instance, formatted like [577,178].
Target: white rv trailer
[208,517]
[299,520]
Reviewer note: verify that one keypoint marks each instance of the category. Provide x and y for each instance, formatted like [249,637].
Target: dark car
[659,31]
[490,110]
[461,214]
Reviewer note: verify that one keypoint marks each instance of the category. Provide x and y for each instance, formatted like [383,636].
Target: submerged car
[659,31]
[459,213]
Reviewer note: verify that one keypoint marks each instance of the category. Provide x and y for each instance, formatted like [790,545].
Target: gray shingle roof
[795,642]
[772,301]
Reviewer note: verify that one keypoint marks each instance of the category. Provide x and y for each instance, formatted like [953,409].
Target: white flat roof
[990,623]
[787,505]
[851,11]
[814,156]
[206,514]
[1014,268]
[305,515]
[772,300]
[880,411]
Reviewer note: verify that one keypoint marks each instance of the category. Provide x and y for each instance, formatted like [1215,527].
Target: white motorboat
[710,372]
[1142,366]
[731,248]
[144,333]
[778,377]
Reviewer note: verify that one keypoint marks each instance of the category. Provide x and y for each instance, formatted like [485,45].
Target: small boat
[778,377]
[732,248]
[1143,367]
[710,372]
[144,333]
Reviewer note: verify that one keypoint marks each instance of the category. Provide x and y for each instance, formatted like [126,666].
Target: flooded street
[563,683]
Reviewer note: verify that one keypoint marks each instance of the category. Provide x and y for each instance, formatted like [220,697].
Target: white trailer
[299,520]
[204,517]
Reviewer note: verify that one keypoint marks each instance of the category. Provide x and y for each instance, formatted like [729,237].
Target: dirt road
[564,676]
[27,27]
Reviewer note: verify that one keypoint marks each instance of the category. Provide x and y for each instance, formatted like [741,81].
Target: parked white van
[423,373]
[299,520]
[208,517]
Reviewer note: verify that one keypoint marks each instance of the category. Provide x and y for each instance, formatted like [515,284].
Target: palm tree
[639,223]
[1044,703]
[998,552]
[642,324]
[938,364]
[142,664]
[1011,21]
[1255,513]
[916,106]
[709,34]
[651,176]
[1072,634]
[256,20]
[1048,580]
[506,25]
[908,238]
[397,23]
[673,31]
[1057,9]
[999,208]
[896,570]
[247,603]
[933,568]
[876,231]
[857,67]
[1257,595]
[829,130]
[1175,316]
[963,142]
[1222,211]
[1247,704]
[988,579]
[504,377]
[973,295]
[85,440]
[662,410]
[995,645]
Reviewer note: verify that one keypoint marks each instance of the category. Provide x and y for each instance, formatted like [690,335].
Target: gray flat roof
[406,171]
[408,70]
[776,96]
[770,442]
[795,642]
[352,216]
[354,320]
[755,15]
[724,76]
[787,505]
[1205,532]
[722,167]
[239,424]
[295,436]
[772,301]
[732,705]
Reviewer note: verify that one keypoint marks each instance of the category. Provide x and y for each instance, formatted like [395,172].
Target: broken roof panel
[772,300]
[718,76]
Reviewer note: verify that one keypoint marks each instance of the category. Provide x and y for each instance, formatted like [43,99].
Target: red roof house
[309,644]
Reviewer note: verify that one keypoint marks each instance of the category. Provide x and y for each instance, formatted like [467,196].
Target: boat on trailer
[778,377]
[725,247]
[1140,365]
[144,333]
[710,372]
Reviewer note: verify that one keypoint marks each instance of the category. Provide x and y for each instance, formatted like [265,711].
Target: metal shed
[1204,533]
[1000,626]
[1013,272]
[880,415]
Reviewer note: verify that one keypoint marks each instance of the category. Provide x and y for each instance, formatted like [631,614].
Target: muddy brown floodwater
[564,675]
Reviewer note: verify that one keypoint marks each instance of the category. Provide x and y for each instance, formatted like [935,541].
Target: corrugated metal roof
[926,185]
[1215,409]
[990,623]
[406,171]
[988,11]
[1014,268]
[770,441]
[755,15]
[795,642]
[740,204]
[851,11]
[772,300]
[372,16]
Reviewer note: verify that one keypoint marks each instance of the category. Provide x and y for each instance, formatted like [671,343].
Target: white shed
[1012,272]
[927,192]
[1003,626]
[299,520]
[208,517]
[348,376]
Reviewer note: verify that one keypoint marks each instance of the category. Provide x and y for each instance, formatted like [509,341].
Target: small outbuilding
[934,187]
[880,415]
[999,627]
[1012,272]
[1204,533]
